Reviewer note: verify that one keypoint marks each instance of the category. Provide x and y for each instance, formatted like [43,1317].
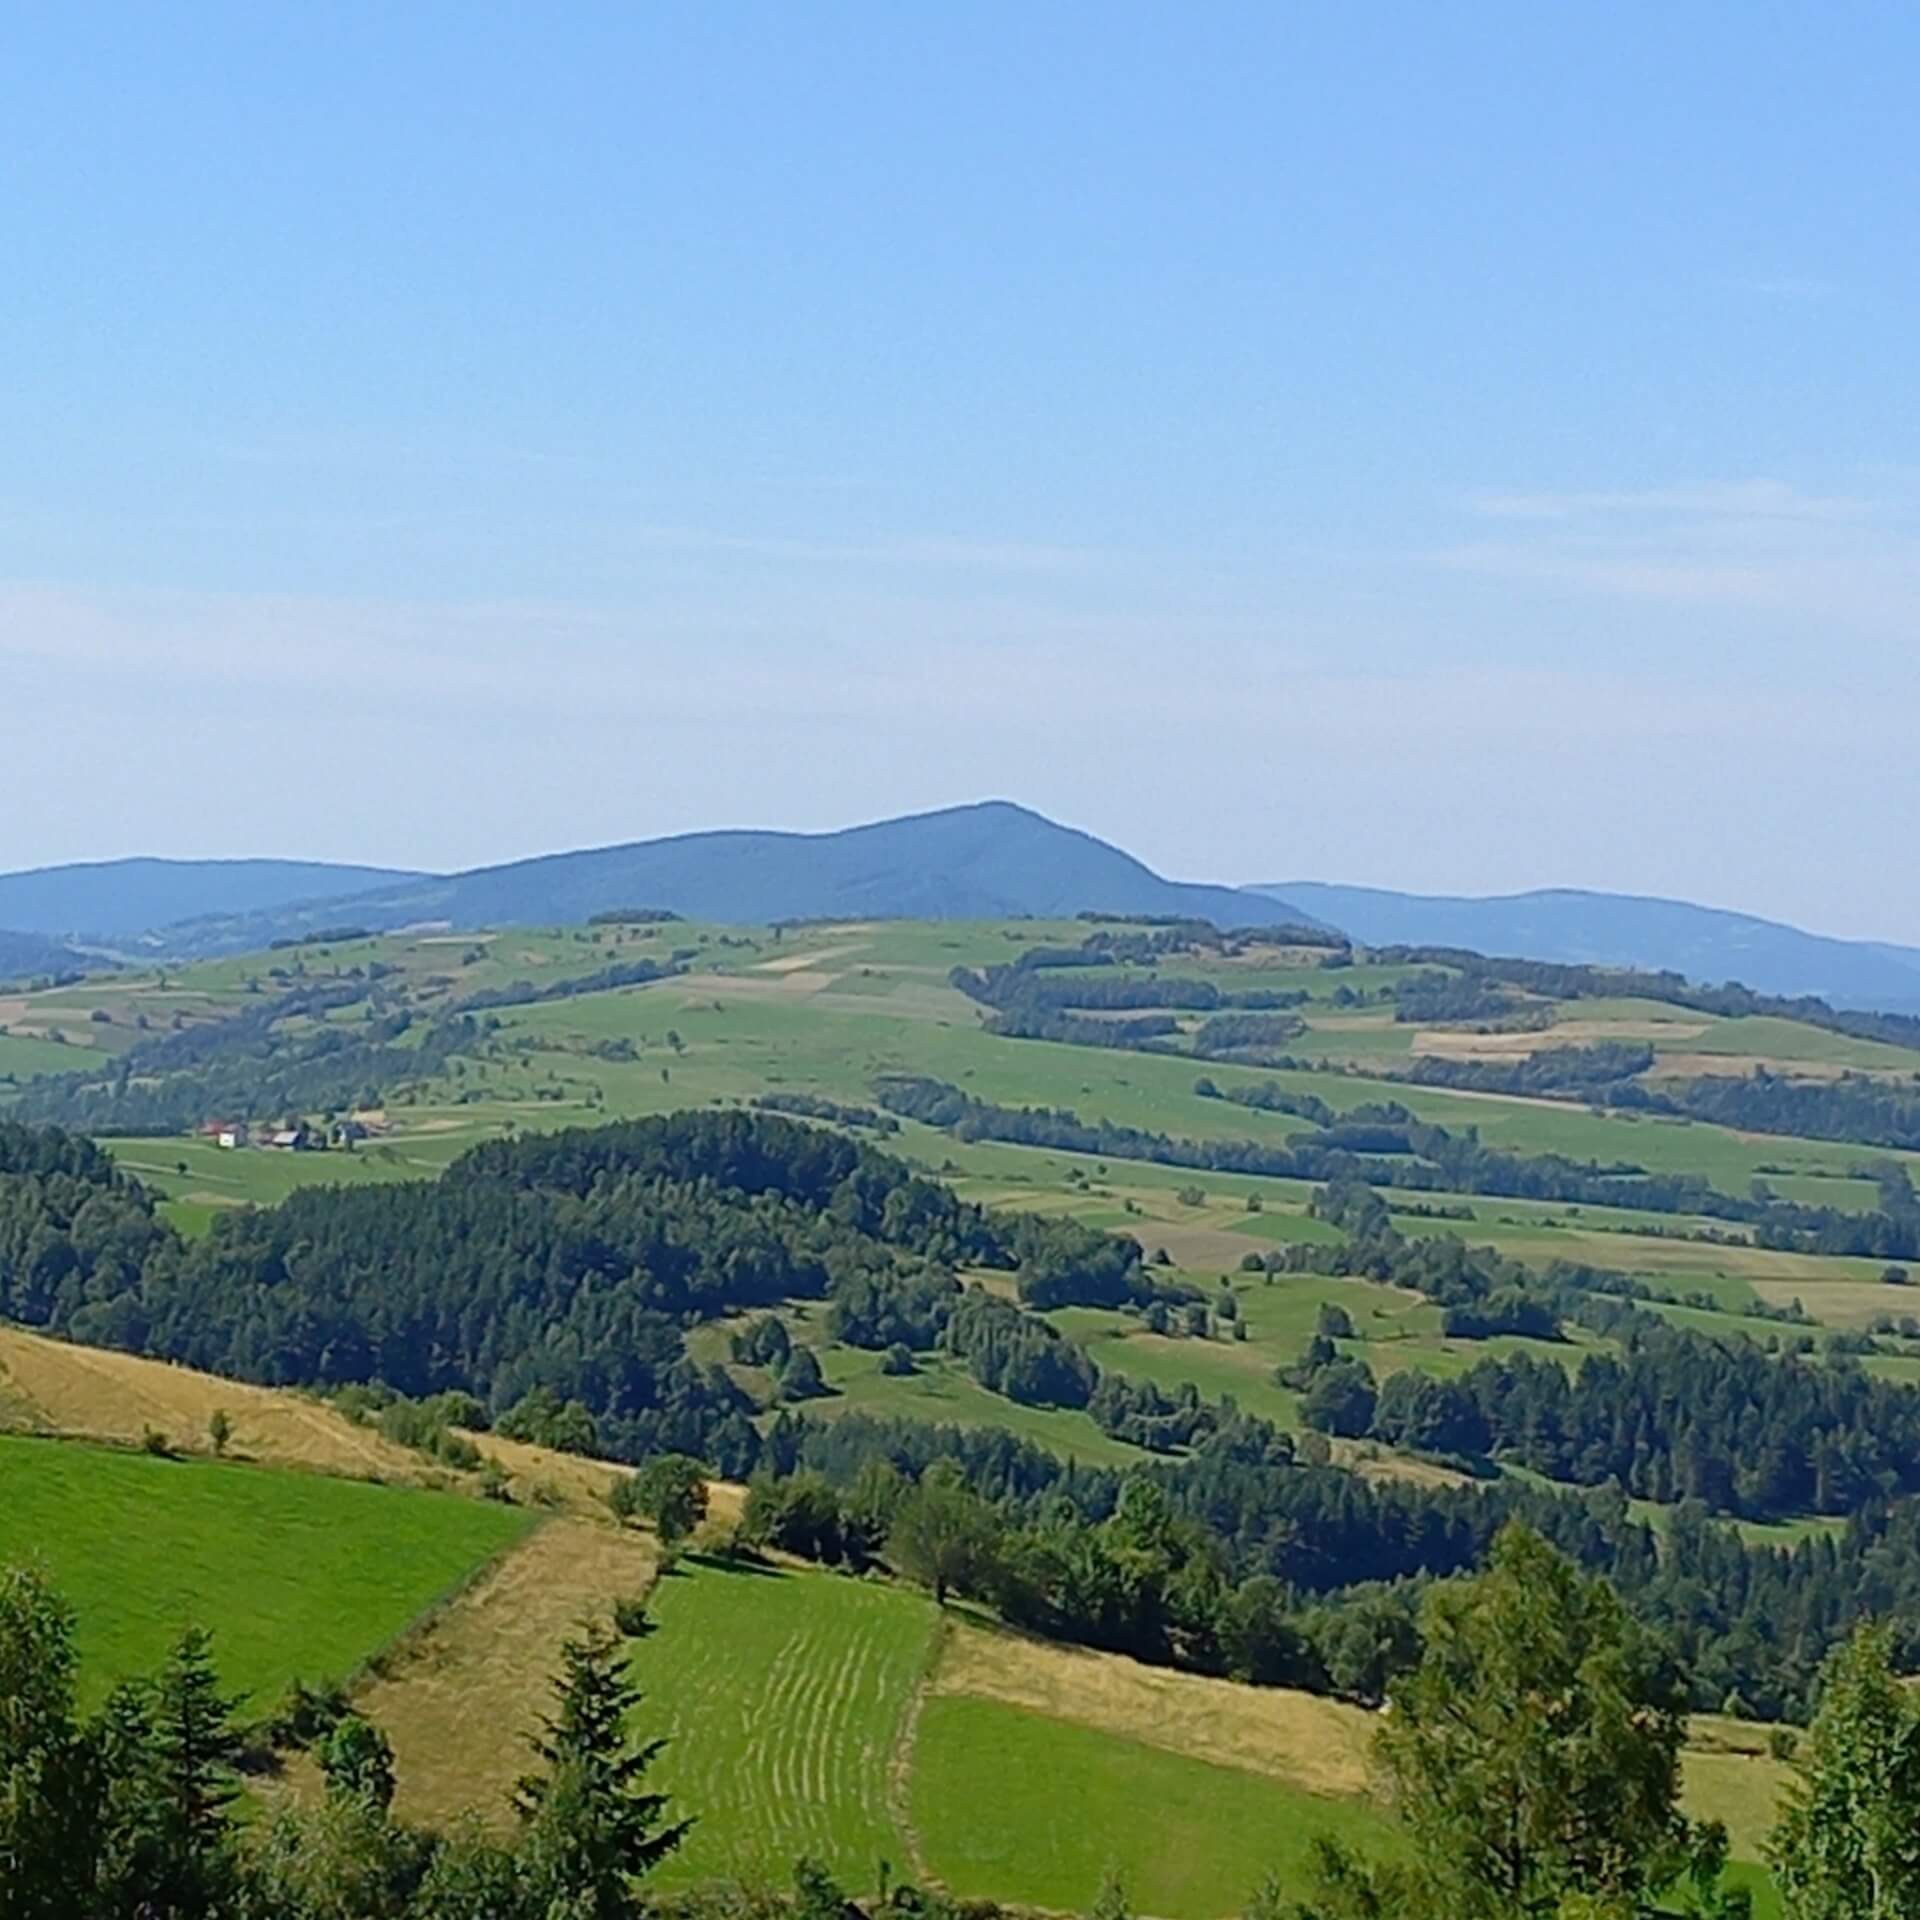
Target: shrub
[630,1618]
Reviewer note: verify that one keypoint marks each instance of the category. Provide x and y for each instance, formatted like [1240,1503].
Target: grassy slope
[783,1697]
[294,1573]
[1012,1806]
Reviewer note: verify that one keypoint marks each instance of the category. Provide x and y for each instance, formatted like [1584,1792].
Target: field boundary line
[375,1665]
[900,1763]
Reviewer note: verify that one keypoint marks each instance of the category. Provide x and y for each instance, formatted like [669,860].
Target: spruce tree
[591,1831]
[195,1748]
[47,1780]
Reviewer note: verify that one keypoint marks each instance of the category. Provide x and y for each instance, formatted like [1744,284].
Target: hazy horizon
[1454,453]
[1169,873]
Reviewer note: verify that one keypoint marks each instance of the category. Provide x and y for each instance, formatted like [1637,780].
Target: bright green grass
[1011,1806]
[258,1176]
[294,1573]
[942,1392]
[1396,1333]
[24,1057]
[782,1697]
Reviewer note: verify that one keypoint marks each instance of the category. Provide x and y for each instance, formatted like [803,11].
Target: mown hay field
[461,1696]
[784,1697]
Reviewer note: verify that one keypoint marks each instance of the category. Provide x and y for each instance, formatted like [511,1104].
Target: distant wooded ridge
[990,861]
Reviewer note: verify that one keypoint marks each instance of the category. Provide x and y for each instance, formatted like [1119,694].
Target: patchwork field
[294,1573]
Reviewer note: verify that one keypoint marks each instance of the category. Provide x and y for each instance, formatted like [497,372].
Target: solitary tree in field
[1848,1845]
[942,1532]
[591,1831]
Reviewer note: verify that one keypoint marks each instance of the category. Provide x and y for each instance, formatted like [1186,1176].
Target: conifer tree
[591,1831]
[46,1779]
[195,1748]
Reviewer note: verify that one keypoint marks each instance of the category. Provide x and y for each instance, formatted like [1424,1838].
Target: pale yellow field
[1317,1744]
[459,1697]
[49,1386]
[91,1393]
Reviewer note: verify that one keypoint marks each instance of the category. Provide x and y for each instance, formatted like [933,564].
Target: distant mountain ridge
[988,861]
[112,899]
[1707,944]
[28,956]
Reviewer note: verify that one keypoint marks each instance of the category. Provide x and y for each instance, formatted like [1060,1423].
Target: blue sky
[1460,448]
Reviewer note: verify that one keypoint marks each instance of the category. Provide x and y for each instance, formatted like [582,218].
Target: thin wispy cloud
[1758,499]
[1846,561]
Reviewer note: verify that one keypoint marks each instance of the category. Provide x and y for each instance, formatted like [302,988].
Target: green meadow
[1012,1806]
[295,1574]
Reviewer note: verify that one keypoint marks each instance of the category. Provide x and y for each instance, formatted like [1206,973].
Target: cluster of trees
[72,1230]
[813,1106]
[1855,1107]
[1147,1416]
[1016,1353]
[1595,1074]
[131,1813]
[1052,993]
[1434,999]
[1681,1416]
[1252,1039]
[1349,1557]
[528,993]
[1678,1417]
[285,1055]
[1556,980]
[1269,1096]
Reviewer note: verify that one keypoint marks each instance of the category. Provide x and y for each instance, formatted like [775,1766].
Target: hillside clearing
[783,1697]
[53,1386]
[1013,1806]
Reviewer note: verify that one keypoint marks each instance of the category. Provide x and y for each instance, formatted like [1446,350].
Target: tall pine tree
[591,1831]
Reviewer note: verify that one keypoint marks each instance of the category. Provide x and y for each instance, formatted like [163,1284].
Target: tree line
[1560,980]
[1393,1148]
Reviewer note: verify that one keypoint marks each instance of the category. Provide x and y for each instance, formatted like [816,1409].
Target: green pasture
[295,1574]
[942,1391]
[1014,1807]
[26,1056]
